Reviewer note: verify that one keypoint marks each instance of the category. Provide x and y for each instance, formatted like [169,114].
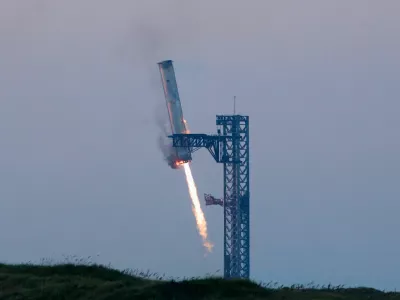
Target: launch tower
[230,146]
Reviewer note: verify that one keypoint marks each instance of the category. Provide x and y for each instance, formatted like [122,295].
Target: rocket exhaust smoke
[164,143]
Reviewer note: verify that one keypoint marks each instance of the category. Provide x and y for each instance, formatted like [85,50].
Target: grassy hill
[72,281]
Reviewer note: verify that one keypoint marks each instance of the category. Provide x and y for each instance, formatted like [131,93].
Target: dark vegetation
[90,281]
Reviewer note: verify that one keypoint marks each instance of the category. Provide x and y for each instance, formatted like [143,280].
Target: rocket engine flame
[196,208]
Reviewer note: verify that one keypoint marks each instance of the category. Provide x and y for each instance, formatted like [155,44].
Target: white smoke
[164,143]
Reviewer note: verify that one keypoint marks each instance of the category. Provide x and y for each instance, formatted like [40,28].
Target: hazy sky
[81,173]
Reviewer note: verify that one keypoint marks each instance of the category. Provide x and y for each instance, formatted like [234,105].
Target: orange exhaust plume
[196,208]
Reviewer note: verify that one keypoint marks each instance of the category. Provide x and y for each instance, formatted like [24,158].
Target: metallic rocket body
[174,107]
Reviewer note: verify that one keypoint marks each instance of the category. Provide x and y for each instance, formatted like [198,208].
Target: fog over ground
[81,172]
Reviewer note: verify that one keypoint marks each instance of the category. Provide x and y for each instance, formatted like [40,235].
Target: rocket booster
[174,107]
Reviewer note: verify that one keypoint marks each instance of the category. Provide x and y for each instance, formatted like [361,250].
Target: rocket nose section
[165,62]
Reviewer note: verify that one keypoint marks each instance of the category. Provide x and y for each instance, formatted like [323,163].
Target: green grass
[76,281]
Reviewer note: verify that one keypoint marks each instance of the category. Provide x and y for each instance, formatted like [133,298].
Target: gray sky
[81,174]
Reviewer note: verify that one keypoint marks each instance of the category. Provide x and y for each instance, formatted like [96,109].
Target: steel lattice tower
[235,154]
[231,148]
